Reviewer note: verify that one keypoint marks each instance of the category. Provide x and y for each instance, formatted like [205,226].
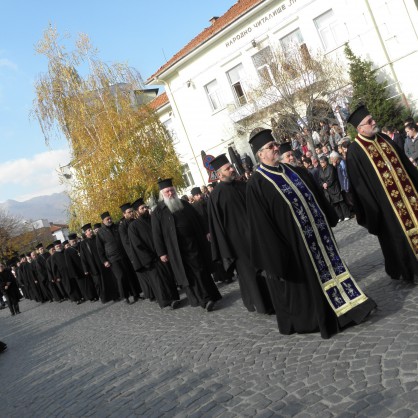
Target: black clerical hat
[49,246]
[56,242]
[285,147]
[105,215]
[162,184]
[40,245]
[72,236]
[98,225]
[138,202]
[125,206]
[358,115]
[85,227]
[195,191]
[65,242]
[28,255]
[219,162]
[259,139]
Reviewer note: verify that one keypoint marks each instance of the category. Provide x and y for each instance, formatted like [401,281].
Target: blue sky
[138,32]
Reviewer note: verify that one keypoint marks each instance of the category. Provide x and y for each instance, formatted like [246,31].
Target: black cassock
[12,292]
[148,265]
[60,271]
[278,247]
[105,282]
[229,231]
[181,235]
[42,273]
[75,268]
[58,287]
[375,212]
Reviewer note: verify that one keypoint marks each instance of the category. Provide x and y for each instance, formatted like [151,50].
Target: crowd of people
[271,226]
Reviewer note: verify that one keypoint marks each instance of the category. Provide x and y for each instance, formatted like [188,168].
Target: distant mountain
[53,207]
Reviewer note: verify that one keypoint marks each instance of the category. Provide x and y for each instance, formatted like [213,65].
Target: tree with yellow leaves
[119,147]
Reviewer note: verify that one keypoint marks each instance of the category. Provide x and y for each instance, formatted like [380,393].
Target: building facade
[206,106]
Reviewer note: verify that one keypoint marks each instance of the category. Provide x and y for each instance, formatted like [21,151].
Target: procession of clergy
[274,231]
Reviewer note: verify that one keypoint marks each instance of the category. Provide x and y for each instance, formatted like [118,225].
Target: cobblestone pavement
[117,360]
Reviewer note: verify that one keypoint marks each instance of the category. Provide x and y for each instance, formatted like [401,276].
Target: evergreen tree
[373,93]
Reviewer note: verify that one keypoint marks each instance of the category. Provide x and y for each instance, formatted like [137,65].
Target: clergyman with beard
[230,235]
[384,186]
[292,242]
[180,239]
[146,262]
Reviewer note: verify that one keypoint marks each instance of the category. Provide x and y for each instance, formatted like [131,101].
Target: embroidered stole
[396,183]
[339,288]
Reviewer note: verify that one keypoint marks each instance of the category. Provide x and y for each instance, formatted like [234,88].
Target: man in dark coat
[112,255]
[39,261]
[75,268]
[128,217]
[180,239]
[104,281]
[292,241]
[201,205]
[9,288]
[328,179]
[229,233]
[56,287]
[146,261]
[384,184]
[61,273]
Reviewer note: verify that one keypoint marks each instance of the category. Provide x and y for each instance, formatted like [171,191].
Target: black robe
[148,265]
[12,292]
[75,268]
[60,271]
[57,288]
[374,211]
[278,248]
[181,236]
[42,273]
[229,231]
[103,278]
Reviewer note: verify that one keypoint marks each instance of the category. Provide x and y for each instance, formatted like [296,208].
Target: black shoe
[127,301]
[136,298]
[210,306]
[79,302]
[175,304]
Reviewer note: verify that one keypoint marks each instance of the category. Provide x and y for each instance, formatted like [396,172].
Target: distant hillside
[53,207]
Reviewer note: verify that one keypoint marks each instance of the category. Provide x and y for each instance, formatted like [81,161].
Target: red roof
[236,11]
[159,101]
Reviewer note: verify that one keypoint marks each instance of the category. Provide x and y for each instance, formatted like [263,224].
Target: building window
[214,96]
[169,125]
[292,41]
[187,175]
[329,30]
[262,61]
[235,76]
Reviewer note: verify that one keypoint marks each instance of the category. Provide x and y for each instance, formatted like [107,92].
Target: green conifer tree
[373,93]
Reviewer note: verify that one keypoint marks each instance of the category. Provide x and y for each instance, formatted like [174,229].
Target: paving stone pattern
[117,360]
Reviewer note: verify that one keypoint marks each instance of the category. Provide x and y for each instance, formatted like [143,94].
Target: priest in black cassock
[40,264]
[180,239]
[146,262]
[384,185]
[103,279]
[56,287]
[229,232]
[75,268]
[62,274]
[112,255]
[128,217]
[292,241]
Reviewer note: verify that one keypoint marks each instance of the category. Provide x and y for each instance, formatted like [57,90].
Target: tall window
[187,175]
[330,30]
[235,76]
[262,61]
[292,41]
[213,92]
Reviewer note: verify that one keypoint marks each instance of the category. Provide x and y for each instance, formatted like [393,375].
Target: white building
[207,81]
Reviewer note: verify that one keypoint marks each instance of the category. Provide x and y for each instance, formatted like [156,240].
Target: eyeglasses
[368,122]
[270,146]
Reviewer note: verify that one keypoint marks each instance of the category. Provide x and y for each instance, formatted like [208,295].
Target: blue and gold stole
[339,288]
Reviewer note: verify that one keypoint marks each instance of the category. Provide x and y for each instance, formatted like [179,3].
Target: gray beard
[174,204]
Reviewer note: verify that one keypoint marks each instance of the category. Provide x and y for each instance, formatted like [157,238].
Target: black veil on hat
[259,139]
[358,115]
[162,184]
[219,162]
